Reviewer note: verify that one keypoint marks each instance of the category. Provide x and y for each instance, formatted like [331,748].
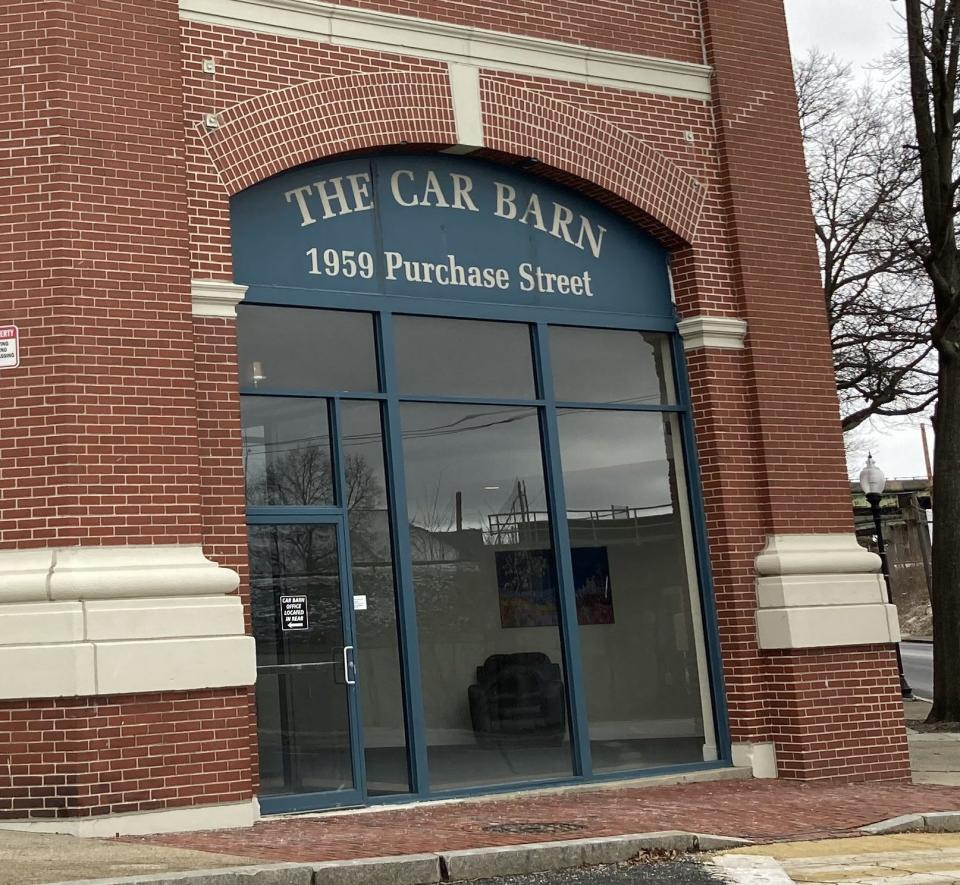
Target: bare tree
[863,187]
[933,47]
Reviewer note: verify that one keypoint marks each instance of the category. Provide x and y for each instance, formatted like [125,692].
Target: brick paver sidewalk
[760,810]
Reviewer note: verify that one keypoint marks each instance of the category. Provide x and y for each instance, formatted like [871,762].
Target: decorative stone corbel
[821,590]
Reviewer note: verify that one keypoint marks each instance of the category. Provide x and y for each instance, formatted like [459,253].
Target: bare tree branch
[864,186]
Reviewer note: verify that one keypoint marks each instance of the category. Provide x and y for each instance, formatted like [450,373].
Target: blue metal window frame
[281,803]
[383,310]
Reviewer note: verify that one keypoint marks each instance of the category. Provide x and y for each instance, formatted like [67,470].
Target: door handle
[347,665]
[278,668]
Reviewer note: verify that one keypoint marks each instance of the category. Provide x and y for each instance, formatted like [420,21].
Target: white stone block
[143,823]
[163,618]
[175,664]
[47,671]
[41,622]
[760,758]
[137,571]
[23,575]
[826,626]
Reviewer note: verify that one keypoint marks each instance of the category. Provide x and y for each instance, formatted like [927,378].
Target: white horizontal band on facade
[389,32]
[708,331]
[216,298]
[85,621]
[145,823]
[821,591]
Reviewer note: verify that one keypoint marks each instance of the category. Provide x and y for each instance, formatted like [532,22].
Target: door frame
[357,796]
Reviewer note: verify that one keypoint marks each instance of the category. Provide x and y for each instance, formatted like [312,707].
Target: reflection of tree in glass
[293,560]
[296,476]
[300,559]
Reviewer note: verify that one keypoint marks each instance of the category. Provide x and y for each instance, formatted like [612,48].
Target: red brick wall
[33,125]
[839,714]
[124,414]
[76,757]
[831,712]
[249,65]
[660,28]
[222,499]
[776,269]
[105,447]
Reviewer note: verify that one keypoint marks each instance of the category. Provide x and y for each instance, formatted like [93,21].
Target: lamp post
[872,481]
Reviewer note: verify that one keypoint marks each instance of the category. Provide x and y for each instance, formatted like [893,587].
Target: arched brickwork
[285,128]
[279,130]
[524,122]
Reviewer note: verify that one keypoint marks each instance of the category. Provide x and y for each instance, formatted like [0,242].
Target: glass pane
[371,552]
[485,582]
[637,633]
[286,450]
[437,356]
[302,714]
[610,366]
[292,348]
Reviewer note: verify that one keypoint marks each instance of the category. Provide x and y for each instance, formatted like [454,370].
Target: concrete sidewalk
[903,859]
[934,755]
[34,858]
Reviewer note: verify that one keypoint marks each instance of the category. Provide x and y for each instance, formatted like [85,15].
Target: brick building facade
[128,657]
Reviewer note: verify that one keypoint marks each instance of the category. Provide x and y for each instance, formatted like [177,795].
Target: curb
[443,867]
[926,822]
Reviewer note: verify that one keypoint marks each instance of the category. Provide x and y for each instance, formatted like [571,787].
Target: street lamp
[872,481]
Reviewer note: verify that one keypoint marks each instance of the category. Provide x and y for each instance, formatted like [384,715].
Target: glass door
[306,667]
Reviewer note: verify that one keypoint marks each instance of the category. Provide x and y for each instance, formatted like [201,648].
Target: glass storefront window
[480,581]
[611,366]
[372,568]
[286,451]
[637,634]
[292,349]
[447,357]
[485,583]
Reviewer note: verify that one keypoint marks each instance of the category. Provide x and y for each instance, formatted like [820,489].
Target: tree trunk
[945,599]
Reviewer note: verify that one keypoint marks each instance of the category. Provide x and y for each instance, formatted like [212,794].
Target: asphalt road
[676,872]
[918,667]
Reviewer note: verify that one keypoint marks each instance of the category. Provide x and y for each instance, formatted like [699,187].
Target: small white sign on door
[9,347]
[359,603]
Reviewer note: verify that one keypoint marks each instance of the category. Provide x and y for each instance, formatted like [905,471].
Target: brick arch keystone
[299,124]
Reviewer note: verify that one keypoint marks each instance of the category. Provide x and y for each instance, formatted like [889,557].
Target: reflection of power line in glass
[461,425]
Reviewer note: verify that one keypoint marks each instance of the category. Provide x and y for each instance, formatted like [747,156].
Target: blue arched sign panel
[443,227]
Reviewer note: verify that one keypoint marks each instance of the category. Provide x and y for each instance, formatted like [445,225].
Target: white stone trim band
[388,32]
[216,298]
[86,621]
[708,331]
[64,573]
[144,823]
[819,591]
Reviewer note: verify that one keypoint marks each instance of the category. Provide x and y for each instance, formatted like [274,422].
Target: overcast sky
[859,32]
[855,30]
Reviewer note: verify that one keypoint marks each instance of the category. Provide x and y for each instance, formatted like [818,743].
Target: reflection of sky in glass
[483,452]
[437,355]
[306,349]
[613,459]
[610,366]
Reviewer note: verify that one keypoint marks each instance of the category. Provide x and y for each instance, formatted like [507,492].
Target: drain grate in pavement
[547,827]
